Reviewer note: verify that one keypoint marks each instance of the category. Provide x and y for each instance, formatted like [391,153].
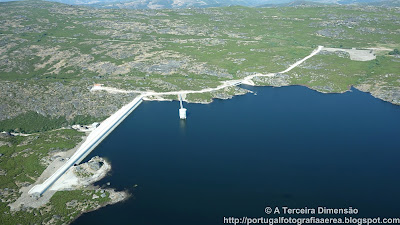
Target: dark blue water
[287,146]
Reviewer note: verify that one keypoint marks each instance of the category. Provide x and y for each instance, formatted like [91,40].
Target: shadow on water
[182,124]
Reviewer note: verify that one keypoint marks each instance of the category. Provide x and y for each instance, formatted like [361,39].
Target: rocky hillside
[52,54]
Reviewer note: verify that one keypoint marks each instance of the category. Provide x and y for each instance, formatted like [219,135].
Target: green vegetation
[320,74]
[21,157]
[85,119]
[63,208]
[201,97]
[394,52]
[32,122]
[21,163]
[185,49]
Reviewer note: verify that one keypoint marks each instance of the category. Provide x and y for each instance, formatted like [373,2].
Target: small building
[182,113]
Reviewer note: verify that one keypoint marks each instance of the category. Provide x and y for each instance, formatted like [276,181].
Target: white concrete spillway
[97,135]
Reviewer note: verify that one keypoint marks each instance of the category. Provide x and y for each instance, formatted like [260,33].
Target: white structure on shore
[182,111]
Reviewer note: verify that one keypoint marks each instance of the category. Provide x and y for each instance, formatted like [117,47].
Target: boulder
[95,165]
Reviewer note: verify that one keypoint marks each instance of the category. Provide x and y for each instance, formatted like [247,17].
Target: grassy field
[32,122]
[22,155]
[58,210]
[228,41]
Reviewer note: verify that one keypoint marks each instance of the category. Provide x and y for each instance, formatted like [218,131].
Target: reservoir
[284,147]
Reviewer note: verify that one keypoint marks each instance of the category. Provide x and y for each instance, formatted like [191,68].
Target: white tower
[182,111]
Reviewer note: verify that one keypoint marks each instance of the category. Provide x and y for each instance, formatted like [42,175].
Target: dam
[108,125]
[94,138]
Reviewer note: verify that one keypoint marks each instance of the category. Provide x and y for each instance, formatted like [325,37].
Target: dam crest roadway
[108,125]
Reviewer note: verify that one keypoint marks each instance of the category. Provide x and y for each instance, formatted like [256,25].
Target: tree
[394,52]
